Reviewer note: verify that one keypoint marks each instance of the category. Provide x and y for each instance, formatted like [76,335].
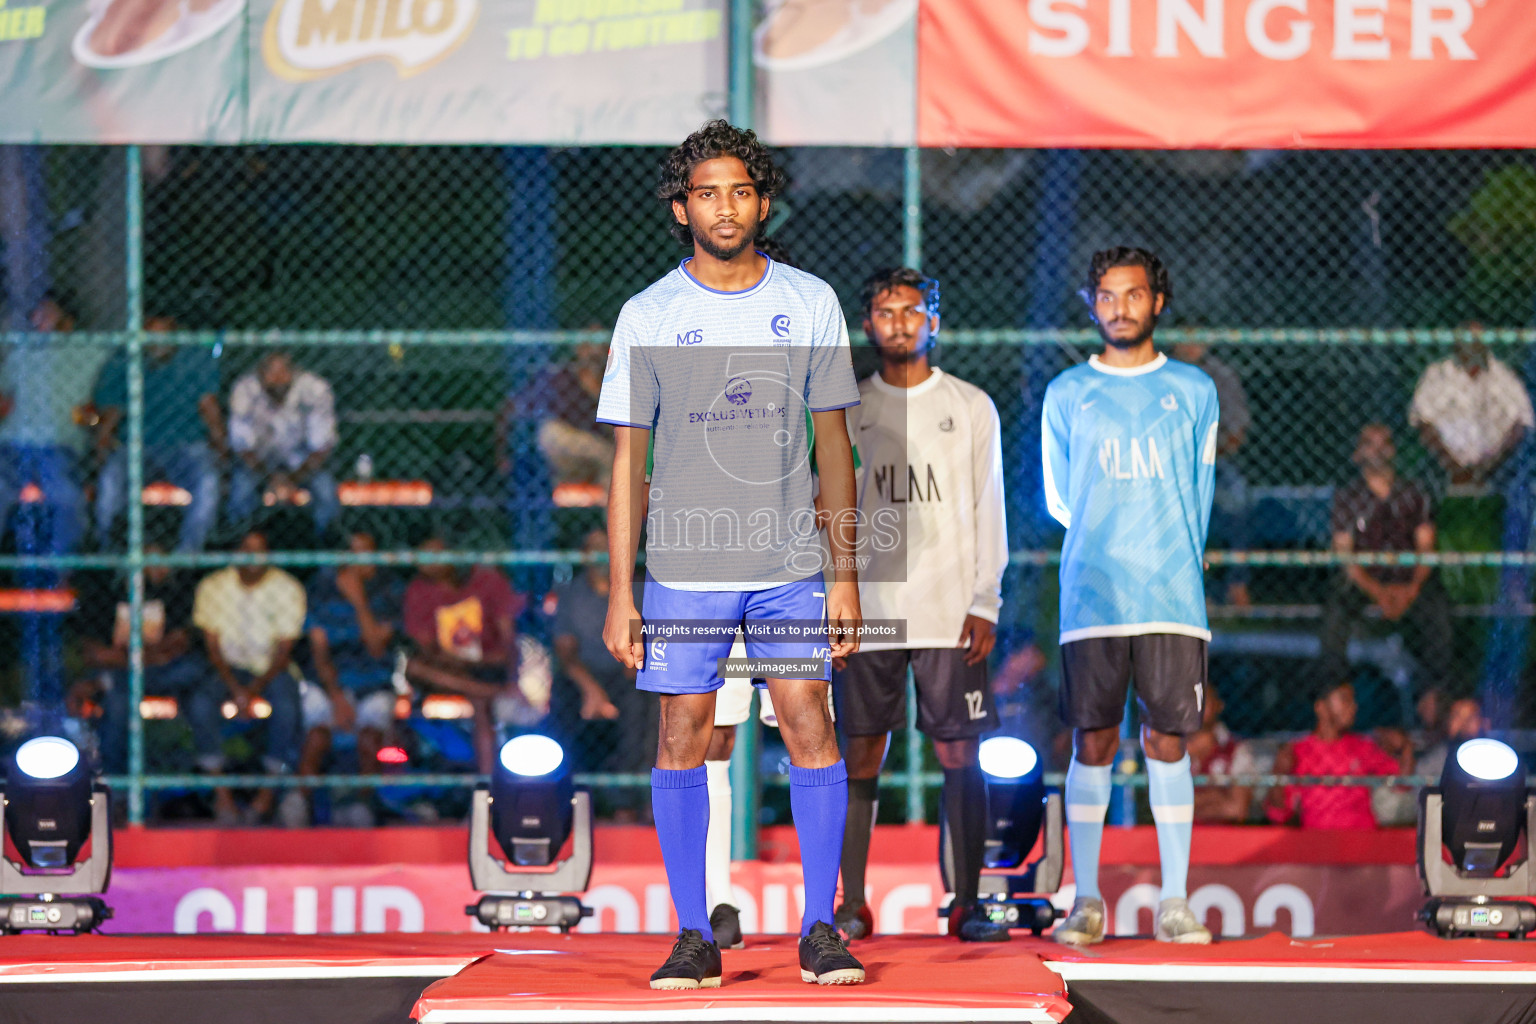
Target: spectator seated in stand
[353,629]
[461,622]
[611,724]
[45,388]
[1332,749]
[282,429]
[1380,511]
[1216,752]
[577,450]
[251,616]
[174,665]
[184,438]
[1464,720]
[1471,410]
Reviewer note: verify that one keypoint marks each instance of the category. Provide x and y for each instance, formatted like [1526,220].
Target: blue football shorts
[789,616]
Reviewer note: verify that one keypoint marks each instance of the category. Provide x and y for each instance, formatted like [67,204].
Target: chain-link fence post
[134,332]
[912,208]
[746,786]
[914,779]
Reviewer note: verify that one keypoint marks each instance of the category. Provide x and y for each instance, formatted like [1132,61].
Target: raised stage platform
[1402,978]
[603,978]
[542,978]
[224,979]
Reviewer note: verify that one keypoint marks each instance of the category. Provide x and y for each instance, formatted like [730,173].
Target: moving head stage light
[530,809]
[1018,806]
[1475,817]
[53,812]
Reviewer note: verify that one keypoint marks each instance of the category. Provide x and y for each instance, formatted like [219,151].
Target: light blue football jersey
[1130,470]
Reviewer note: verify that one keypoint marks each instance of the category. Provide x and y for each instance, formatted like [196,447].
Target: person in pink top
[1332,749]
[461,623]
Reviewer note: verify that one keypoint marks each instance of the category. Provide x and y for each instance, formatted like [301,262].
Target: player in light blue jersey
[728,360]
[1129,452]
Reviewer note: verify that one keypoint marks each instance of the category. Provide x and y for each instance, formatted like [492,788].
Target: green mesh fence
[438,318]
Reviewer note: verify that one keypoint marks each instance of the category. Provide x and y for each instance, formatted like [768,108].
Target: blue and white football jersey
[728,381]
[1130,470]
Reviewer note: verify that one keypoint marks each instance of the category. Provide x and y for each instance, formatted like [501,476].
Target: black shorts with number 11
[953,699]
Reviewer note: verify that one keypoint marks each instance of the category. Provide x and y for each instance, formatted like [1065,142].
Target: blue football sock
[1171,790]
[680,803]
[818,799]
[1088,789]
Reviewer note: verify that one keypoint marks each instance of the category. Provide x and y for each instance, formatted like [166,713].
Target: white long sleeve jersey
[930,493]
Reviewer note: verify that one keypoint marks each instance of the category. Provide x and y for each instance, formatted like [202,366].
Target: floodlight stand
[53,902]
[1022,900]
[527,899]
[1461,905]
[1442,879]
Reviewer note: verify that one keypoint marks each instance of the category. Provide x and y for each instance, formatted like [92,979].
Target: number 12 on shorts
[973,706]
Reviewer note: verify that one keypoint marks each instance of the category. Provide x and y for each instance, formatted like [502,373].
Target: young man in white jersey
[931,478]
[1129,450]
[741,369]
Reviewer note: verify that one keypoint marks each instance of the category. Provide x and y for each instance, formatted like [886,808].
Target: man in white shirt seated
[282,429]
[1471,409]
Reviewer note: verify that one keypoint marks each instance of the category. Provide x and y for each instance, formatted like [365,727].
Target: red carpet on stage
[603,978]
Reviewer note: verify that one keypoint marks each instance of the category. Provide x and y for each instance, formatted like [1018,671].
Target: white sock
[717,844]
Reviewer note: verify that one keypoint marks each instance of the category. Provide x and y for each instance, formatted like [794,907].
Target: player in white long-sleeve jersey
[1129,451]
[931,507]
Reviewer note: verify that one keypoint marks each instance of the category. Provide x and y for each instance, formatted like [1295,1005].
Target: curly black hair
[1128,256]
[776,251]
[715,139]
[886,278]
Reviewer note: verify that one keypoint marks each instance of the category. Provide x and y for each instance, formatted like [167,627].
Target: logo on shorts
[780,326]
[738,391]
[658,656]
[1199,697]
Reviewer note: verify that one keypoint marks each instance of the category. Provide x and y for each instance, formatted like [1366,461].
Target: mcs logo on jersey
[1141,459]
[307,39]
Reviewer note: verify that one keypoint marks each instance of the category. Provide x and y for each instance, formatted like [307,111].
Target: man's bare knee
[722,743]
[1161,746]
[805,722]
[686,726]
[957,755]
[1096,746]
[865,755]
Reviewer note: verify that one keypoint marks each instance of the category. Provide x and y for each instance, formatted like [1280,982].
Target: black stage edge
[308,1001]
[1186,1002]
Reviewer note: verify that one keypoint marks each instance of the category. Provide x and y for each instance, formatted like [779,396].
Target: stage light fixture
[1469,828]
[1018,807]
[54,811]
[531,800]
[529,810]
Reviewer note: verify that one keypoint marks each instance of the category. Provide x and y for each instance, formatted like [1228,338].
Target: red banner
[1242,880]
[1179,74]
[1298,899]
